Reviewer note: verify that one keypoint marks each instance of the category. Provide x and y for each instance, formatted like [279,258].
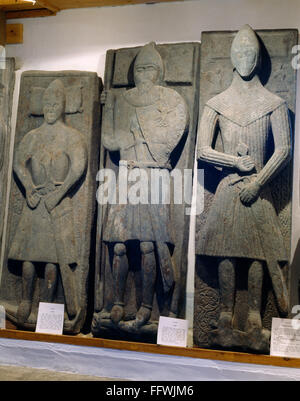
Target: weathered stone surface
[52,200]
[149,122]
[243,236]
[7,81]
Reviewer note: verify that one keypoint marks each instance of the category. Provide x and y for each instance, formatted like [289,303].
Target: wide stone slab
[279,78]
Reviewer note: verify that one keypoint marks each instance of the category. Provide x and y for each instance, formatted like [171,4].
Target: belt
[131,164]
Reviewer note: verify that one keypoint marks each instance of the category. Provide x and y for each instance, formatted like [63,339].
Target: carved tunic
[251,124]
[47,161]
[145,129]
[151,127]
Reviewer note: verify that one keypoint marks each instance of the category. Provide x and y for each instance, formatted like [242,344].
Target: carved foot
[225,321]
[104,314]
[117,313]
[101,321]
[24,311]
[173,315]
[259,340]
[95,323]
[253,321]
[142,317]
[129,327]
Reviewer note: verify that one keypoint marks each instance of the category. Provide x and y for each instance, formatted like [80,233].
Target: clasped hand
[34,198]
[245,164]
[250,192]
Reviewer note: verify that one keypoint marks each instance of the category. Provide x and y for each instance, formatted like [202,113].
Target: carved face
[53,107]
[244,60]
[146,73]
[245,51]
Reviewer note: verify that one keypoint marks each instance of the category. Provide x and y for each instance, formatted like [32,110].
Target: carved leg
[69,289]
[50,282]
[255,280]
[176,293]
[28,279]
[227,291]
[148,279]
[120,273]
[279,286]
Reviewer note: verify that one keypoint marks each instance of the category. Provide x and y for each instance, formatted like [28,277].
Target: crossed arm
[77,154]
[282,151]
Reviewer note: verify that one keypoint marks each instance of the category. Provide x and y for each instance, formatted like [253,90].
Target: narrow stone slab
[52,200]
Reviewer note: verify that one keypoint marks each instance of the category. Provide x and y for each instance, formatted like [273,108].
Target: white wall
[79,39]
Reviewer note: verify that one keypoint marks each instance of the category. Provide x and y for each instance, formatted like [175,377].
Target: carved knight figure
[144,125]
[49,162]
[242,221]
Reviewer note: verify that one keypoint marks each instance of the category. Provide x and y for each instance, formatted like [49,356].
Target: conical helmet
[55,88]
[245,51]
[148,55]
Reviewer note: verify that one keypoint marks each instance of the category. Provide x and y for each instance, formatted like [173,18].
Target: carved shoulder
[74,137]
[29,140]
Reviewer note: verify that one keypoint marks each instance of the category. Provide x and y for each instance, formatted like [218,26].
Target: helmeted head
[54,100]
[245,52]
[148,65]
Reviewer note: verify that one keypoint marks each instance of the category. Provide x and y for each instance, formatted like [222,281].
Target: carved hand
[103,97]
[245,164]
[52,201]
[33,199]
[107,97]
[250,193]
[45,190]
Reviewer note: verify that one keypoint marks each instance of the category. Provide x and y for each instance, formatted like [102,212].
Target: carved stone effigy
[53,197]
[148,127]
[245,149]
[7,81]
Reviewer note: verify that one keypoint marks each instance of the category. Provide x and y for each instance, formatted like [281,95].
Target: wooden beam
[14,34]
[44,8]
[46,4]
[29,14]
[14,2]
[67,4]
[19,6]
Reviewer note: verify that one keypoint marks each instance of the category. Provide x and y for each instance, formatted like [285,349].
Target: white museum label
[50,318]
[173,332]
[285,337]
[2,317]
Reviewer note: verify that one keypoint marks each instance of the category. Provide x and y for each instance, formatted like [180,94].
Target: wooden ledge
[154,349]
